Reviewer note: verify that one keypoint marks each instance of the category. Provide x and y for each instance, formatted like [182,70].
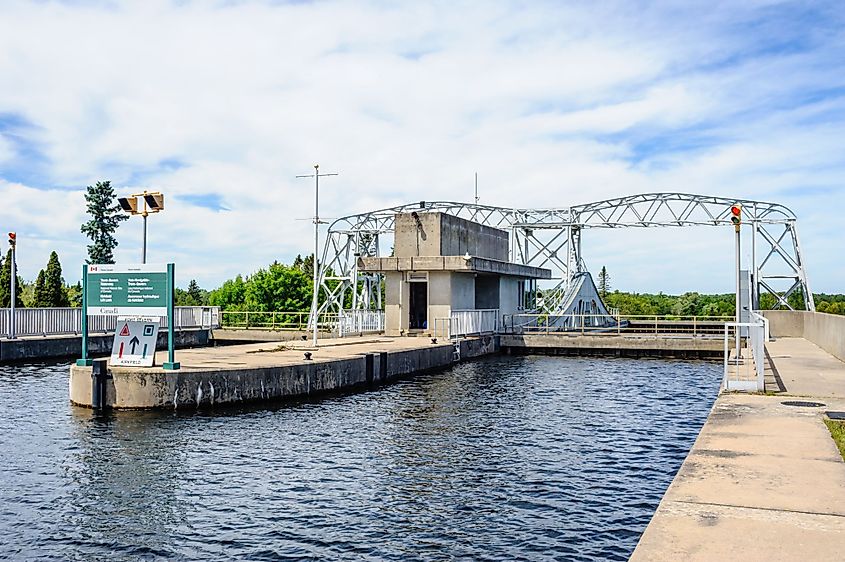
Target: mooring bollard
[99,375]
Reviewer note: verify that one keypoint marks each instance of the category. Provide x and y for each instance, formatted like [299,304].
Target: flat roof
[458,264]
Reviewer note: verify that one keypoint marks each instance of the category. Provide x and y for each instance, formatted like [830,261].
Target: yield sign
[125,330]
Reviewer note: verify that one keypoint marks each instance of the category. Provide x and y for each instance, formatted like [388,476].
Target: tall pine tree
[604,282]
[105,218]
[5,284]
[54,286]
[39,299]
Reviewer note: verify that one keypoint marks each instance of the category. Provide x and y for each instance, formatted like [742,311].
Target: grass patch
[837,431]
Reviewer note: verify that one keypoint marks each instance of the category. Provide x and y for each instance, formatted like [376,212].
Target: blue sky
[221,104]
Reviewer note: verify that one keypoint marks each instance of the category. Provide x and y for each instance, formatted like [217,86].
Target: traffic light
[13,238]
[155,201]
[736,215]
[129,204]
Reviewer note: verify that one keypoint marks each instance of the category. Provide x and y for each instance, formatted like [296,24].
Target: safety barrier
[744,370]
[619,325]
[61,321]
[359,322]
[467,322]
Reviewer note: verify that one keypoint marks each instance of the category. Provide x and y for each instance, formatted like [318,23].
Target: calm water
[526,458]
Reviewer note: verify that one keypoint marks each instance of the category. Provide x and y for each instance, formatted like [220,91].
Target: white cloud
[552,104]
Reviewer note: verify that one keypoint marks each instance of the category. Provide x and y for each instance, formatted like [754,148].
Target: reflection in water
[504,458]
[125,459]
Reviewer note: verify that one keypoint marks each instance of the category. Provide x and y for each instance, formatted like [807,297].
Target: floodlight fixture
[129,204]
[154,201]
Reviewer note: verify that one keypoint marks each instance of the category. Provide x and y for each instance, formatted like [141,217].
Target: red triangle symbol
[125,330]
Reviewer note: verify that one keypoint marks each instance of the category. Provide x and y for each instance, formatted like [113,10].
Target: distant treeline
[697,304]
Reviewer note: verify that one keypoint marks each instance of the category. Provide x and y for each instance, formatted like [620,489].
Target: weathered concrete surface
[46,347]
[440,234]
[612,344]
[806,369]
[785,323]
[255,372]
[825,330]
[256,335]
[763,481]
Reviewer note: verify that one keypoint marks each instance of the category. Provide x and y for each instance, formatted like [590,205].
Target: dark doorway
[418,306]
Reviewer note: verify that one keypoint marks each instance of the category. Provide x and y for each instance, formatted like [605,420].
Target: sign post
[171,364]
[128,290]
[85,361]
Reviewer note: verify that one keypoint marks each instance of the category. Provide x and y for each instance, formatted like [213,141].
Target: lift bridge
[551,239]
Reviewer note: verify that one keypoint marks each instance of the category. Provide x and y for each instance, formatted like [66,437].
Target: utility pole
[13,239]
[476,188]
[736,219]
[316,175]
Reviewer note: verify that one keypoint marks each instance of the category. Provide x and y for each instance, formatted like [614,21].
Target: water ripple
[507,458]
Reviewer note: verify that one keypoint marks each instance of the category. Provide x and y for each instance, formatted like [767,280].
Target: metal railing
[276,320]
[62,321]
[467,322]
[359,322]
[745,372]
[345,323]
[620,325]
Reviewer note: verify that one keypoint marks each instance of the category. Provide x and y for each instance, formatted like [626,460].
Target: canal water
[505,458]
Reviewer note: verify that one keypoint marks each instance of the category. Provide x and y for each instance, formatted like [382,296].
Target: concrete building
[451,275]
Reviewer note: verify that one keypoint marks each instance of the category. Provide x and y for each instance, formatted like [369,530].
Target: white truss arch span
[551,238]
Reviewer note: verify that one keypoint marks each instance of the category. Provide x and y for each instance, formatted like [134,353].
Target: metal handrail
[68,320]
[671,325]
[754,370]
[345,323]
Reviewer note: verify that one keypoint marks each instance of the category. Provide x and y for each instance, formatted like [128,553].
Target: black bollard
[99,375]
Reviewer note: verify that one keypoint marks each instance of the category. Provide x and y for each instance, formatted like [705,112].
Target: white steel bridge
[551,238]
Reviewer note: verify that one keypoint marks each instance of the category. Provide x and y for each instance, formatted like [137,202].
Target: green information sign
[127,289]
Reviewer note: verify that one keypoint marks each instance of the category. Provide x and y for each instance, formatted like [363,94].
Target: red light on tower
[736,215]
[13,238]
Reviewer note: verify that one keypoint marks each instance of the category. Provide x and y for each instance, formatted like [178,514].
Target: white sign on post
[135,342]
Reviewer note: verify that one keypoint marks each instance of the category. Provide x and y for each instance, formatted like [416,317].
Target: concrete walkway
[764,481]
[806,369]
[275,354]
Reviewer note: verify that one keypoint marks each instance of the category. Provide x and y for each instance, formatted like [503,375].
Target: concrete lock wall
[785,323]
[71,346]
[825,330]
[133,388]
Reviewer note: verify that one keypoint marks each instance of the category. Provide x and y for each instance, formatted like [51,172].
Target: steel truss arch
[551,238]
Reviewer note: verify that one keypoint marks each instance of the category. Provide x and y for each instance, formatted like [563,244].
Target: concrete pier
[266,371]
[764,480]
